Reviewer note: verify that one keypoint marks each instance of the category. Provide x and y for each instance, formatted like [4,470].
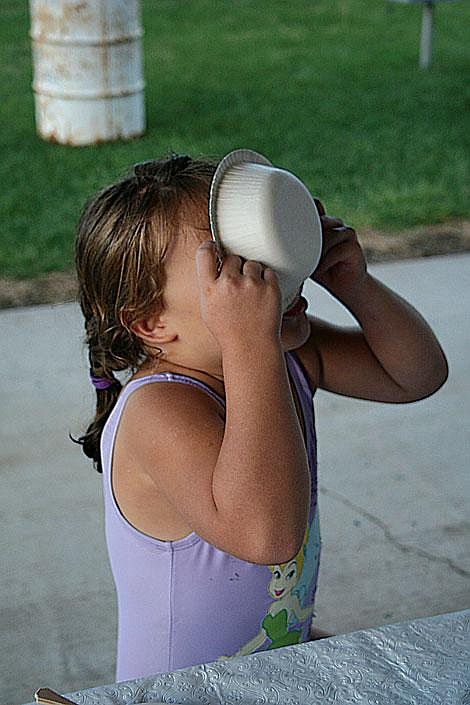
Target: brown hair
[123,234]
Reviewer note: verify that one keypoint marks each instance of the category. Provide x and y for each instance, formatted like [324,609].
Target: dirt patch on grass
[61,287]
[419,242]
[53,288]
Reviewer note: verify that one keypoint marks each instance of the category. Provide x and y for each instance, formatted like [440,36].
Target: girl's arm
[394,356]
[261,482]
[242,485]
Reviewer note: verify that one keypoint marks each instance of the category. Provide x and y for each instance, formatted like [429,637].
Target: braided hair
[122,236]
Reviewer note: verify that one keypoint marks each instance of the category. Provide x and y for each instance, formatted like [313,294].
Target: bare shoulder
[172,433]
[166,450]
[169,410]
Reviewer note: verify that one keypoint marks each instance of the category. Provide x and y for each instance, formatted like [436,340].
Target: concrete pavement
[393,479]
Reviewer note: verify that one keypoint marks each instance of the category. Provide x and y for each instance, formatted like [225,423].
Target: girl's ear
[152,330]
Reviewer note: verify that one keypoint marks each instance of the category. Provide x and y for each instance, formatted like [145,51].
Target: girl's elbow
[440,377]
[279,552]
[436,382]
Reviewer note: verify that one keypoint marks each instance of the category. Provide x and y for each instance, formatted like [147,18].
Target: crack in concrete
[389,536]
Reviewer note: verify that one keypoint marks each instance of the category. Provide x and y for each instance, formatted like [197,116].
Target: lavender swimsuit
[185,602]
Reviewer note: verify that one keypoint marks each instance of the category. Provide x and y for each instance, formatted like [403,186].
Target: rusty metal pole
[88,70]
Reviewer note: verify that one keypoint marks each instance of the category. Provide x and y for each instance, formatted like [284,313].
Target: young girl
[208,452]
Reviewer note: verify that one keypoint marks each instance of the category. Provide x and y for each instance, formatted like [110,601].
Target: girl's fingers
[345,229]
[329,223]
[343,226]
[236,264]
[333,256]
[208,264]
[319,205]
[233,264]
[252,267]
[337,236]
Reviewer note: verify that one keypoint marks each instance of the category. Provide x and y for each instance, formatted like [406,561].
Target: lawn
[328,89]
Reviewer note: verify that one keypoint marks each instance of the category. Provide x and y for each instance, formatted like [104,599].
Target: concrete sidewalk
[393,479]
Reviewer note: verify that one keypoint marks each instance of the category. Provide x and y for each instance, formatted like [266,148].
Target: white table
[419,662]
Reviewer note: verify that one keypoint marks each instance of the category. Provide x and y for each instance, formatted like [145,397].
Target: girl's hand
[342,268]
[241,302]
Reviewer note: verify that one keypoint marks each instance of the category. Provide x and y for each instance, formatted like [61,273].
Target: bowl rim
[233,158]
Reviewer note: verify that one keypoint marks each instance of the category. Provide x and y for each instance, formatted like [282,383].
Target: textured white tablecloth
[420,662]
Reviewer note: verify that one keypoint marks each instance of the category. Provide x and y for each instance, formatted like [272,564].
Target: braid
[90,441]
[106,353]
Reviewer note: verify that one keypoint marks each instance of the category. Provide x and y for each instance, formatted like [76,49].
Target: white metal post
[426,35]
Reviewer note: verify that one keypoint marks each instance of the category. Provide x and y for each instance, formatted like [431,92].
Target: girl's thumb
[207,245]
[205,263]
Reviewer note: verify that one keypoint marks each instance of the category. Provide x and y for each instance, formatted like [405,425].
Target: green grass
[328,89]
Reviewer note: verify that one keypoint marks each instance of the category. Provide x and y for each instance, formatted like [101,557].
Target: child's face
[183,334]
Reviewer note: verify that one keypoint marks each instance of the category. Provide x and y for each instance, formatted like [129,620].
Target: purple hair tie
[101,382]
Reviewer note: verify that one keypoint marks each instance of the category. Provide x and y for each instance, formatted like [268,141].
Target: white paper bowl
[263,213]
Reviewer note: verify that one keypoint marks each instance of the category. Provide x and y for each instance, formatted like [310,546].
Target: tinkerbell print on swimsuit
[290,586]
